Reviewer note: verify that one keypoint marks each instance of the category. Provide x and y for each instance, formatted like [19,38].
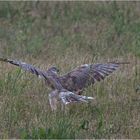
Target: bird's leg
[53,100]
[64,108]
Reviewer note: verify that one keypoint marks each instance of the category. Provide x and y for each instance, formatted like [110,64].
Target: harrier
[67,88]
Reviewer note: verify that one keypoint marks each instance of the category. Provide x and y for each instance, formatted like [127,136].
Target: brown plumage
[67,86]
[85,75]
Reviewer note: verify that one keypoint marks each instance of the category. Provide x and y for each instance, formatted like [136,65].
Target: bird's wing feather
[26,67]
[86,75]
[30,68]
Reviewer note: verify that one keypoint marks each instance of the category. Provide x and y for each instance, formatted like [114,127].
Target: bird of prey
[67,88]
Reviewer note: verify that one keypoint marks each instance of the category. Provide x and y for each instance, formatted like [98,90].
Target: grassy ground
[68,34]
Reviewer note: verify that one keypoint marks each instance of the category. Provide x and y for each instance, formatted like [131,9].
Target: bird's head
[53,70]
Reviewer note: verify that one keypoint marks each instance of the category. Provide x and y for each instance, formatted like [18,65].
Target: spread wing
[85,75]
[54,83]
[26,67]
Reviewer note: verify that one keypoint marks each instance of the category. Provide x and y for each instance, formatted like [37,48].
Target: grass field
[69,34]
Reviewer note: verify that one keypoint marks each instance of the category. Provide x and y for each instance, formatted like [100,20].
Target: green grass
[68,34]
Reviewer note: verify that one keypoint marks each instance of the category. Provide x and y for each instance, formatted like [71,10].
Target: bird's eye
[57,70]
